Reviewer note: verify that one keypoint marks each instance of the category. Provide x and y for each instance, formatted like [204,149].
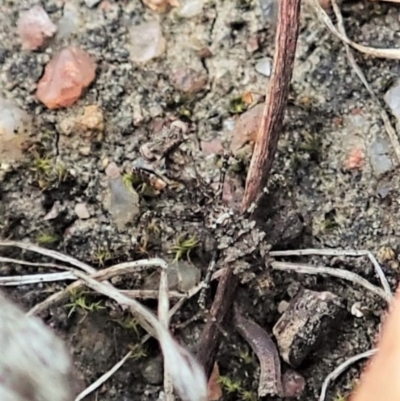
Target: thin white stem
[341,368]
[343,274]
[339,252]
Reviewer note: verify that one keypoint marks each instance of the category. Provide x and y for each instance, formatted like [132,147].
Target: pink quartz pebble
[66,76]
[34,26]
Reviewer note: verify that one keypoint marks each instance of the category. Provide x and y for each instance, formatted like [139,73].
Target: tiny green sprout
[142,246]
[101,255]
[138,352]
[80,302]
[230,385]
[247,395]
[153,227]
[340,397]
[185,112]
[311,144]
[246,356]
[237,105]
[46,238]
[61,172]
[129,180]
[147,190]
[184,246]
[129,323]
[42,165]
[48,171]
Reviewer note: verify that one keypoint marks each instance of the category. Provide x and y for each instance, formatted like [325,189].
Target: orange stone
[65,78]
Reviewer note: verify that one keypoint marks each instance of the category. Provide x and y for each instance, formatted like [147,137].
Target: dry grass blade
[371,51]
[36,278]
[341,368]
[343,274]
[108,374]
[151,294]
[340,252]
[50,253]
[24,263]
[103,378]
[163,310]
[186,373]
[105,274]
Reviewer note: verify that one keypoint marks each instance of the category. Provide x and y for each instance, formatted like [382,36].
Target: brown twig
[270,382]
[285,47]
[210,337]
[275,102]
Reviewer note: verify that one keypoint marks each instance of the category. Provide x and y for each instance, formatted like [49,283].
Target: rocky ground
[131,170]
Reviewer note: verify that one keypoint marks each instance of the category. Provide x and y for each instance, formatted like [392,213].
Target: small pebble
[252,44]
[269,10]
[85,150]
[212,147]
[264,66]
[182,276]
[66,76]
[379,157]
[190,8]
[15,126]
[92,3]
[146,42]
[392,99]
[160,6]
[54,212]
[293,384]
[282,306]
[188,80]
[81,211]
[152,371]
[355,159]
[124,202]
[308,320]
[69,22]
[246,128]
[34,26]
[356,310]
[92,119]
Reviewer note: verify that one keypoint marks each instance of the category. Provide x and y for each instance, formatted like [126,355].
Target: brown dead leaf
[214,387]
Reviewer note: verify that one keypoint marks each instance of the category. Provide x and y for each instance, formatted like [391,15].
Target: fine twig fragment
[343,274]
[185,372]
[352,61]
[371,51]
[267,353]
[105,274]
[35,278]
[275,102]
[103,378]
[341,368]
[340,252]
[285,47]
[163,310]
[210,337]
